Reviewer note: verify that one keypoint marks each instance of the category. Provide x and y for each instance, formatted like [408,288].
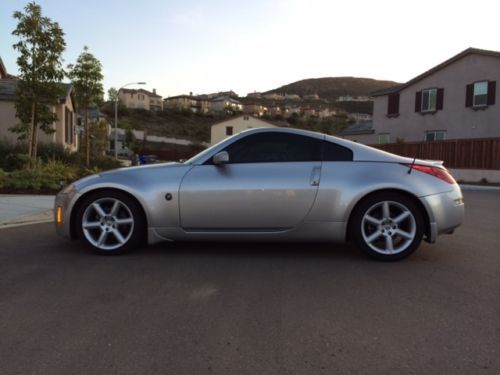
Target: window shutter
[393,104]
[418,101]
[492,87]
[469,95]
[396,103]
[439,99]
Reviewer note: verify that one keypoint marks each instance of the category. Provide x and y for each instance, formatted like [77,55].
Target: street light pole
[116,113]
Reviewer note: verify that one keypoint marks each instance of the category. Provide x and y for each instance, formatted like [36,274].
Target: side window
[335,152]
[274,147]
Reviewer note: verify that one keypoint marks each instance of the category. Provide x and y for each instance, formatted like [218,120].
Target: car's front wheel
[387,226]
[110,222]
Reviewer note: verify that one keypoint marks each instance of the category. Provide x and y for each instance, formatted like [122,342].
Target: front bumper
[445,211]
[63,205]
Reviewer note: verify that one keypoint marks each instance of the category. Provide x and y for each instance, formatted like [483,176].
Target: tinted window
[335,152]
[274,147]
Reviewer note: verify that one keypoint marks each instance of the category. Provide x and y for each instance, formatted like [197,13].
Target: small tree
[40,46]
[112,94]
[86,76]
[99,138]
[131,140]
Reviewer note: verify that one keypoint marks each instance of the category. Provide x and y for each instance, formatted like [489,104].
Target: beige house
[453,100]
[224,103]
[187,102]
[236,125]
[143,99]
[255,109]
[65,126]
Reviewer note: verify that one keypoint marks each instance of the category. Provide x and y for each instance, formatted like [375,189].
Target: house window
[229,130]
[480,94]
[435,135]
[429,99]
[384,138]
[68,128]
[393,105]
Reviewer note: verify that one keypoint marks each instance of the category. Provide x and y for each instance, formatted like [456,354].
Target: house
[255,109]
[64,128]
[454,100]
[224,103]
[361,117]
[359,132]
[236,125]
[140,98]
[349,98]
[195,104]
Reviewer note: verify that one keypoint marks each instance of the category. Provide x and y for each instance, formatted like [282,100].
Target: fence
[457,153]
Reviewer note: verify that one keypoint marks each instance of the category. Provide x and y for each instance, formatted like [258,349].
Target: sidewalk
[25,209]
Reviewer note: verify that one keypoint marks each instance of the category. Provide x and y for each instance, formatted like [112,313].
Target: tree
[86,76]
[112,94]
[131,140]
[40,46]
[99,138]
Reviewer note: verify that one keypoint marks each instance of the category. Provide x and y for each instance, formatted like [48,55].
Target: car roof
[360,152]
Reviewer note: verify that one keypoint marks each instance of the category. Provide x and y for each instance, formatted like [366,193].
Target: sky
[178,47]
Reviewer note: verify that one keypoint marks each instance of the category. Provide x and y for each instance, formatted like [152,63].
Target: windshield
[202,155]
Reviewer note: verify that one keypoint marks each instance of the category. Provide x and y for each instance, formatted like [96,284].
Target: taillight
[440,173]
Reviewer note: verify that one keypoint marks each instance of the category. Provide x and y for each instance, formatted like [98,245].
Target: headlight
[69,189]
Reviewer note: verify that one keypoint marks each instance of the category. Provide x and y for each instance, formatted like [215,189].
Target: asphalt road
[253,308]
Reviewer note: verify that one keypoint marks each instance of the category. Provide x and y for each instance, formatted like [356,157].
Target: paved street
[252,309]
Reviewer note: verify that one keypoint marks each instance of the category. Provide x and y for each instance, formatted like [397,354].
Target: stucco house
[454,100]
[65,126]
[140,98]
[236,125]
[223,103]
[189,102]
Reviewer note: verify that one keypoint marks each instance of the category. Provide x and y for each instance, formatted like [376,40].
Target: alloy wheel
[107,223]
[388,227]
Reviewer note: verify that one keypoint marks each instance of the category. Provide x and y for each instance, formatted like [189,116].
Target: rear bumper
[445,211]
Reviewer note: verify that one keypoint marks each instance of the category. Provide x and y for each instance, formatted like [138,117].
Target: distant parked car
[268,184]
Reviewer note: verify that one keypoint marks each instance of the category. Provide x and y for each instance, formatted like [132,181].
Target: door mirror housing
[221,158]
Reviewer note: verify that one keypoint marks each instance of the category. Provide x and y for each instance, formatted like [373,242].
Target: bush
[2,178]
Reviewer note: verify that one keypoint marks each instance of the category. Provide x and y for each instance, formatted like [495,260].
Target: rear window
[335,152]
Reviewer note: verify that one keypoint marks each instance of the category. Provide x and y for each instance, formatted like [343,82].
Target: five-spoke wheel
[388,226]
[110,222]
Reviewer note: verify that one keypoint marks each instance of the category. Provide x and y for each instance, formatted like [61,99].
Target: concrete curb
[479,187]
[38,218]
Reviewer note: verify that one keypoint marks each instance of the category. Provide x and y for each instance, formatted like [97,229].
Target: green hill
[331,88]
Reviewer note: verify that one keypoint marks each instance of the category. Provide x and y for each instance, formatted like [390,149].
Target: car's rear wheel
[110,222]
[387,226]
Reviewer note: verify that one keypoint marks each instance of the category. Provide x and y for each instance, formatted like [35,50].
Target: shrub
[2,178]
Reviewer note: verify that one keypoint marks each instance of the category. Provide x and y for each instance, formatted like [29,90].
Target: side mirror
[221,158]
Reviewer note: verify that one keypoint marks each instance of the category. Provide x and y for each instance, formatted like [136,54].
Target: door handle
[315,176]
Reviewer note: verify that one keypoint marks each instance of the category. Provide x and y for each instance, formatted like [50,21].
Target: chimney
[154,91]
[190,93]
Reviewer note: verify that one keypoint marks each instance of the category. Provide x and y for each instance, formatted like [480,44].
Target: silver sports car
[268,185]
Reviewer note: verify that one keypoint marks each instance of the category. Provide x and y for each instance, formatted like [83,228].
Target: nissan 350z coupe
[268,184]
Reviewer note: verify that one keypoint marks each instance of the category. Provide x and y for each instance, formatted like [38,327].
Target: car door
[270,183]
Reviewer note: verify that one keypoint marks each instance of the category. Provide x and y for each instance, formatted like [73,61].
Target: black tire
[376,233]
[122,227]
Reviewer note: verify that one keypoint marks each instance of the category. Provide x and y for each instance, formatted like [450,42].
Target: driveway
[252,308]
